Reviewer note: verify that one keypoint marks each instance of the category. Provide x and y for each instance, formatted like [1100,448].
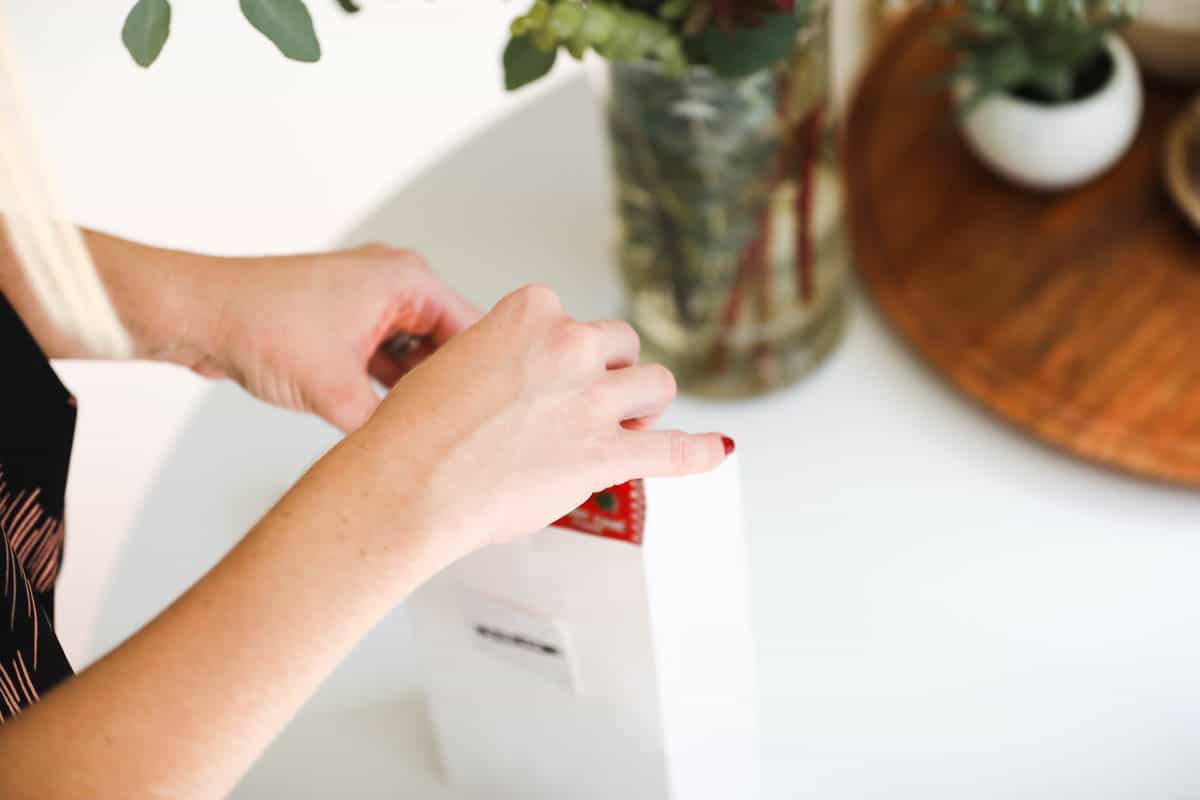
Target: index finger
[671,454]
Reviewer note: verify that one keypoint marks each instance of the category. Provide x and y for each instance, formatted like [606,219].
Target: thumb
[349,406]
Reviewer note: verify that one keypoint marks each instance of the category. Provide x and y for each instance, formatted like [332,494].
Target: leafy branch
[734,38]
[286,23]
[614,32]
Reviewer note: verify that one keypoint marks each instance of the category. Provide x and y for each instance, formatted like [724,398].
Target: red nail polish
[729,444]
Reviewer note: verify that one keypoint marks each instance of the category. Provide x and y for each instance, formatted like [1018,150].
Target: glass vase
[729,207]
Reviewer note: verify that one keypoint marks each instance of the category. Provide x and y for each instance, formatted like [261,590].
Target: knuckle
[576,340]
[679,451]
[411,258]
[537,297]
[630,332]
[415,260]
[664,381]
[599,400]
[629,335]
[408,258]
[607,460]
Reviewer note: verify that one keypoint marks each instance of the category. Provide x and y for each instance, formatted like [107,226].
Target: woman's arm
[503,430]
[160,295]
[303,332]
[184,707]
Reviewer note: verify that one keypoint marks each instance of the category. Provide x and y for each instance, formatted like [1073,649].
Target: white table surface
[943,608]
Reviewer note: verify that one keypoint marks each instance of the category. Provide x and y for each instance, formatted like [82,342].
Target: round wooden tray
[1075,316]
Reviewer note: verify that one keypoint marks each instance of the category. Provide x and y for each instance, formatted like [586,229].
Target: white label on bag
[533,642]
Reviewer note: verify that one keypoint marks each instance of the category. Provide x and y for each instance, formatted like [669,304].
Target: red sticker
[616,513]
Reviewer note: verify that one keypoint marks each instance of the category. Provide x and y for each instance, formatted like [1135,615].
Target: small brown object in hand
[404,344]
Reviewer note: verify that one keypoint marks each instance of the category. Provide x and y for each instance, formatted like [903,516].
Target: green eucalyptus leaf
[288,24]
[744,51]
[146,30]
[525,62]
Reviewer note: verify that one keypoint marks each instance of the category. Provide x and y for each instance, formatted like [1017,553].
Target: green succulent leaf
[744,51]
[146,30]
[525,62]
[288,24]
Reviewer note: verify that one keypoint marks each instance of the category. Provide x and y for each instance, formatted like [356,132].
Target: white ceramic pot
[1058,146]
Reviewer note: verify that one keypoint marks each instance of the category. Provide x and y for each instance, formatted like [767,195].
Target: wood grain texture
[1075,316]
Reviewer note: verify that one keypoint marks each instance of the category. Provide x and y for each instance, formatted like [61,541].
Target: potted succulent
[1049,96]
[727,190]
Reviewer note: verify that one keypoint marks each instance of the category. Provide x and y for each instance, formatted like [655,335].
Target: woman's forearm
[184,707]
[305,332]
[168,300]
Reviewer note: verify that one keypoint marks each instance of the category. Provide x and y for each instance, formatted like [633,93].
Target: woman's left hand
[306,332]
[309,332]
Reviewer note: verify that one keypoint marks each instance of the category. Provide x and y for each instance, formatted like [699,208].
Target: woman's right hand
[518,420]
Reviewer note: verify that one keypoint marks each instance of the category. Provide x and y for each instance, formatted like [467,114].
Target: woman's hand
[309,332]
[517,421]
[303,332]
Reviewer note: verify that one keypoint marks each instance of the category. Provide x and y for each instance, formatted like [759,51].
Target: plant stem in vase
[728,206]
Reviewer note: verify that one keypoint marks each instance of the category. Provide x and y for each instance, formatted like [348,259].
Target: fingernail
[730,446]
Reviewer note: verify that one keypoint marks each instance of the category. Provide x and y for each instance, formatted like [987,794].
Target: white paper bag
[608,659]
